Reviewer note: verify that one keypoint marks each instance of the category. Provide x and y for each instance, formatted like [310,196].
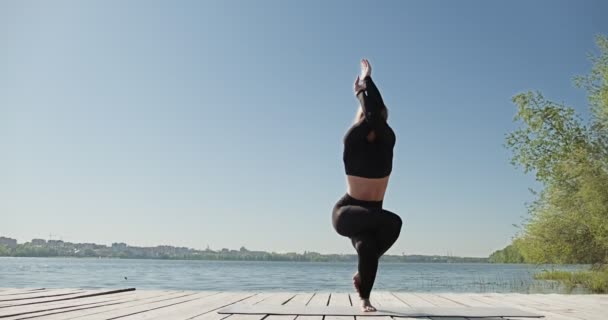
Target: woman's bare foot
[366,306]
[366,69]
[357,283]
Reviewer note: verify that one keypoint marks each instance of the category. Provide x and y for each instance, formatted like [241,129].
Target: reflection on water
[271,276]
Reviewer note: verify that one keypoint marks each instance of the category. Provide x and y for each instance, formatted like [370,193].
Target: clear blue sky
[219,123]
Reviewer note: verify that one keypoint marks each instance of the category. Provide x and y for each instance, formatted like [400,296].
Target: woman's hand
[366,69]
[359,85]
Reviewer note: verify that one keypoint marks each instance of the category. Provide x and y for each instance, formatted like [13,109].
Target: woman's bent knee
[398,222]
[394,220]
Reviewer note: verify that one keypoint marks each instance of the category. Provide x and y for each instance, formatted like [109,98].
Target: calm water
[269,276]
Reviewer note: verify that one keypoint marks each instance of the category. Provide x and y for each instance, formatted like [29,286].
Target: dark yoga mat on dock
[472,312]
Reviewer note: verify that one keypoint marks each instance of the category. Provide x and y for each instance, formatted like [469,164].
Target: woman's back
[368,147]
[367,189]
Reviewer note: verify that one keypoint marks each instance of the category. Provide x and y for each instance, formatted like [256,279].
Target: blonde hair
[359,114]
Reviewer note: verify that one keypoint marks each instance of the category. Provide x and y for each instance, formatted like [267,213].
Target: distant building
[38,242]
[8,242]
[119,246]
[55,243]
[86,246]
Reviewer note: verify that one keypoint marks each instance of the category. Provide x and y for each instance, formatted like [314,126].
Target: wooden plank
[339,299]
[141,298]
[571,304]
[277,298]
[13,291]
[50,298]
[199,308]
[526,300]
[45,294]
[80,295]
[201,299]
[317,299]
[599,299]
[439,301]
[388,298]
[300,299]
[502,302]
[340,310]
[17,293]
[547,305]
[47,303]
[157,305]
[47,306]
[384,300]
[412,300]
[464,299]
[554,306]
[63,308]
[185,296]
[250,300]
[54,310]
[467,299]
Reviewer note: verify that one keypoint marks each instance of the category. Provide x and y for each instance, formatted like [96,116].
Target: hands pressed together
[366,71]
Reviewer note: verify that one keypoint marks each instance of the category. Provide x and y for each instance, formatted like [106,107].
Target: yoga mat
[472,312]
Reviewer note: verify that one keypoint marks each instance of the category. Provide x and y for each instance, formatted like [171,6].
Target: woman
[368,157]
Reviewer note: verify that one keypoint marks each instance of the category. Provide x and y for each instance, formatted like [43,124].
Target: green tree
[510,254]
[4,251]
[568,221]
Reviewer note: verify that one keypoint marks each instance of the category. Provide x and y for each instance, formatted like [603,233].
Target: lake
[272,276]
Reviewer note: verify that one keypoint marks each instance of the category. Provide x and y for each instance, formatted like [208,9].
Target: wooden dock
[83,304]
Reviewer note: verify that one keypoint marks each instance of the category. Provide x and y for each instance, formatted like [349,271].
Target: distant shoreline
[383,259]
[60,249]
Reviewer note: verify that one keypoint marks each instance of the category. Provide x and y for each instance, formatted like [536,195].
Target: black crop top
[361,157]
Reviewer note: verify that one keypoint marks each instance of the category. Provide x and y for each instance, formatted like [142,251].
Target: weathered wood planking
[65,309]
[300,299]
[569,304]
[250,300]
[10,292]
[132,310]
[545,304]
[339,299]
[274,298]
[60,305]
[412,299]
[138,312]
[199,308]
[318,299]
[385,300]
[502,302]
[82,304]
[61,297]
[40,295]
[438,301]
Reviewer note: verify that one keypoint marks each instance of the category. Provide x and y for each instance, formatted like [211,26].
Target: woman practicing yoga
[368,162]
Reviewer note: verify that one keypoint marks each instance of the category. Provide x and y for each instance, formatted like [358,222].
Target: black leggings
[372,231]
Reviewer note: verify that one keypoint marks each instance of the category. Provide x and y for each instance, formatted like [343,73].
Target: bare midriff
[367,189]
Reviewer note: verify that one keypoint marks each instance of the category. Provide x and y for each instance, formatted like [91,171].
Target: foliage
[4,251]
[596,281]
[568,221]
[510,254]
[596,85]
